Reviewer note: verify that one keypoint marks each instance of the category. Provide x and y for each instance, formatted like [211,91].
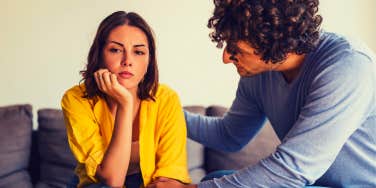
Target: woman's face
[126,54]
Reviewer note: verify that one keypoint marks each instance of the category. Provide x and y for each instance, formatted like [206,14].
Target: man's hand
[163,182]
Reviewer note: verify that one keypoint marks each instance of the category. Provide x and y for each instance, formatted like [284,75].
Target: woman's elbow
[114,182]
[110,179]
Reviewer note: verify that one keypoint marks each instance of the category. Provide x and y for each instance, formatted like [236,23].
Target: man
[317,89]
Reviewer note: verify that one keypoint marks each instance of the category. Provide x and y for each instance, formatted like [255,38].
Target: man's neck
[291,67]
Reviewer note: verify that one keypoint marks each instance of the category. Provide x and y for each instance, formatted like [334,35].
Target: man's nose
[226,57]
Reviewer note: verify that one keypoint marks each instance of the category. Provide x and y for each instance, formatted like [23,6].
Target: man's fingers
[154,183]
[161,179]
[151,185]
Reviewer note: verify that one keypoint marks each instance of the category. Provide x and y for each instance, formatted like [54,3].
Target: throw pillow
[195,151]
[261,146]
[56,160]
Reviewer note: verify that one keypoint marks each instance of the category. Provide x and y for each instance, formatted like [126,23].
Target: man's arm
[338,103]
[233,131]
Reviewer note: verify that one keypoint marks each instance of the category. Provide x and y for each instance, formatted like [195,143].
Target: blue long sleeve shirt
[325,119]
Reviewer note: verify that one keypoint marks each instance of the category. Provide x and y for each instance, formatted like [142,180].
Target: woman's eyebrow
[122,45]
[118,43]
[139,45]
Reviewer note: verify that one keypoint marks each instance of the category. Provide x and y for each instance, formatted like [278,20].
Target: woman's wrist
[125,105]
[125,101]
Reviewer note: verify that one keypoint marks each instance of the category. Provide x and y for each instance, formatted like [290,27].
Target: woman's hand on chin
[107,82]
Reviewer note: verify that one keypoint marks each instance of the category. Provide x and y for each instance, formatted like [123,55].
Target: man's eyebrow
[243,51]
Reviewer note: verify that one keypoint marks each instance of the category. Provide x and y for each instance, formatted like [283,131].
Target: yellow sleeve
[171,156]
[83,132]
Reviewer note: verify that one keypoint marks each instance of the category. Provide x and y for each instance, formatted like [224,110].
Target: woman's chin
[127,84]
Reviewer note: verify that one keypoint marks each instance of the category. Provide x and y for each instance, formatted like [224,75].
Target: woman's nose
[126,61]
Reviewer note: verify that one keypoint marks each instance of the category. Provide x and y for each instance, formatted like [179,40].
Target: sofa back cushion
[195,150]
[15,141]
[56,160]
[261,146]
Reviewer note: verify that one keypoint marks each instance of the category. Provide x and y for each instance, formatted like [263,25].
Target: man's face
[243,57]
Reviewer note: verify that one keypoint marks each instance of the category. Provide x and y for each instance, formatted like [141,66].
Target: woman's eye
[140,52]
[115,50]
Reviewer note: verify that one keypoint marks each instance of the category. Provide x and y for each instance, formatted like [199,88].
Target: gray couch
[42,158]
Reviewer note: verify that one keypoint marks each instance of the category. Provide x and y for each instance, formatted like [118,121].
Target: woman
[123,127]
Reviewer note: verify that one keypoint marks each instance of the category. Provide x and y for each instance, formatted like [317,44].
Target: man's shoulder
[337,53]
[333,46]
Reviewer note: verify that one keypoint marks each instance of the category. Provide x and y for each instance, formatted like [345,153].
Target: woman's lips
[125,74]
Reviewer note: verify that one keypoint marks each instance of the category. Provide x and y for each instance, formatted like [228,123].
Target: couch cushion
[34,168]
[56,160]
[195,151]
[261,146]
[15,141]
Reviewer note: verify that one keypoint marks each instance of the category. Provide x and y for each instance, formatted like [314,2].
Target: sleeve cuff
[175,172]
[92,163]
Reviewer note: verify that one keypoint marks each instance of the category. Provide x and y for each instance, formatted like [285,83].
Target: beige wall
[44,43]
[355,18]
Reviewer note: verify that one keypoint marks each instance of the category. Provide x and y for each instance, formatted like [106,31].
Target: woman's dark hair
[272,27]
[146,88]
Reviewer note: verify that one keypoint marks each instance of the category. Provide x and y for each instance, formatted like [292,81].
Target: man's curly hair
[272,27]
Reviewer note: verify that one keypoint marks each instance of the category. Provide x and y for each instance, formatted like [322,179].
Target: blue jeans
[217,174]
[220,173]
[132,181]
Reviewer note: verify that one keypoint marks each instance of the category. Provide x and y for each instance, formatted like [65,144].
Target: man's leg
[217,174]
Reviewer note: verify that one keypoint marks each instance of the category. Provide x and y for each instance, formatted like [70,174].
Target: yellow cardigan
[162,136]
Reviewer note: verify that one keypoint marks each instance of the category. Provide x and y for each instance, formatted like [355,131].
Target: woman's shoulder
[164,91]
[75,94]
[165,95]
[75,91]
